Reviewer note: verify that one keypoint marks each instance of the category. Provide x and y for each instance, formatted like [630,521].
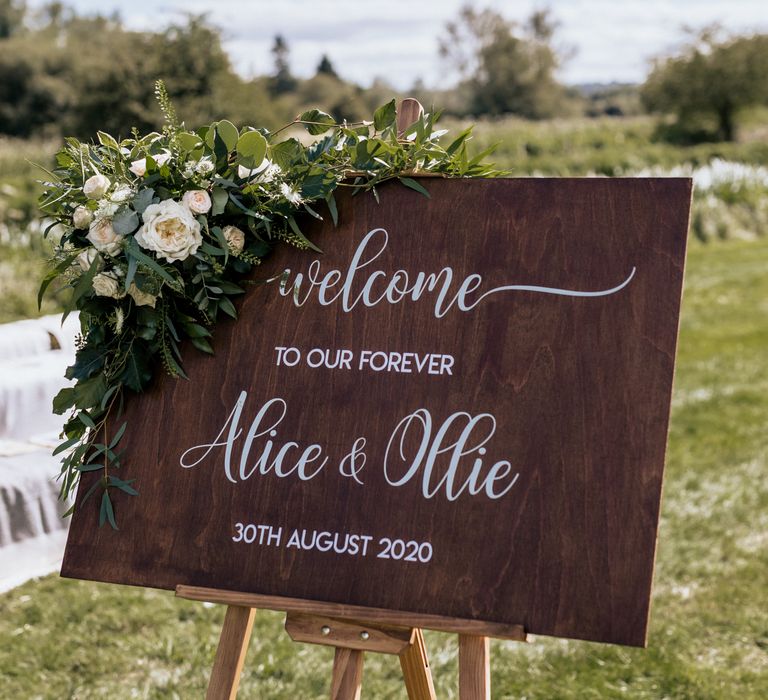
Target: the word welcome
[346,287]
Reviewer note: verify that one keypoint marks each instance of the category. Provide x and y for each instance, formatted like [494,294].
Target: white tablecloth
[33,358]
[27,387]
[37,336]
[29,505]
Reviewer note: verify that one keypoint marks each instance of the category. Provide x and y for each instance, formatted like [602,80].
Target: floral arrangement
[160,232]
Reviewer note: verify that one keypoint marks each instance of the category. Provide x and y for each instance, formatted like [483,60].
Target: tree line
[63,73]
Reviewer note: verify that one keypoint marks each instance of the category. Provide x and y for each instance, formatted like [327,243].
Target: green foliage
[508,68]
[572,147]
[76,75]
[139,296]
[605,146]
[11,17]
[282,81]
[709,84]
[325,67]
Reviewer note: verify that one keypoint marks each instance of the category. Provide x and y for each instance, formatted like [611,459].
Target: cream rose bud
[161,158]
[104,238]
[139,167]
[141,298]
[82,217]
[235,238]
[170,230]
[197,201]
[106,284]
[96,186]
[86,258]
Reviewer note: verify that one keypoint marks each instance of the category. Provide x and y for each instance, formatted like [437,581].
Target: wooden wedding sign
[453,418]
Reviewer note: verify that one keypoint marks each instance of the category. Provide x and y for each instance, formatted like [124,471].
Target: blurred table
[34,355]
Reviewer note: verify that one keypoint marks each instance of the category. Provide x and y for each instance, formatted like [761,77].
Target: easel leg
[474,668]
[230,656]
[347,677]
[415,665]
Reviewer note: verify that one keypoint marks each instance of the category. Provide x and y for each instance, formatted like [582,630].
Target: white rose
[139,167]
[106,284]
[170,230]
[96,186]
[141,298]
[122,193]
[82,217]
[197,201]
[86,258]
[235,238]
[103,237]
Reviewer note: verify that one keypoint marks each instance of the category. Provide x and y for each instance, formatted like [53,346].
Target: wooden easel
[341,626]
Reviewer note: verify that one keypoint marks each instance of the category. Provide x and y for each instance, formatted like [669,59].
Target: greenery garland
[159,232]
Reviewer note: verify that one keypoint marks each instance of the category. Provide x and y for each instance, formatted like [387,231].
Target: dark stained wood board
[579,388]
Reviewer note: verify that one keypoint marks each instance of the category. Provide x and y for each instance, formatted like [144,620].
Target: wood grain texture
[579,388]
[474,668]
[353,612]
[416,671]
[347,679]
[349,634]
[230,654]
[408,111]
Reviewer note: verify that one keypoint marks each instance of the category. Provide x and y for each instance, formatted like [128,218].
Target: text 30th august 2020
[355,545]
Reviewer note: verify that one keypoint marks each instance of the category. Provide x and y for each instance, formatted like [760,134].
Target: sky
[613,40]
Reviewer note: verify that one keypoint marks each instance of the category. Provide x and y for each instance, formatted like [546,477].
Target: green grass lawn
[709,623]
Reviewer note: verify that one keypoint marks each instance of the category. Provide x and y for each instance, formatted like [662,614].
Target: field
[709,631]
[730,195]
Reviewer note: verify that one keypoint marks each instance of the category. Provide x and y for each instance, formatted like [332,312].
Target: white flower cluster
[169,228]
[269,173]
[716,173]
[290,194]
[266,173]
[194,168]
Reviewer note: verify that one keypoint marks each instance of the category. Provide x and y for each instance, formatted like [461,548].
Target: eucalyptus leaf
[125,221]
[414,185]
[107,511]
[143,199]
[228,133]
[188,141]
[385,116]
[251,149]
[219,198]
[317,122]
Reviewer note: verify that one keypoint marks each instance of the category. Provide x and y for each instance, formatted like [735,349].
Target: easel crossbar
[477,628]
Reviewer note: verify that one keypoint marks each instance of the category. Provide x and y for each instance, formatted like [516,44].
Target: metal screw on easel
[325,630]
[364,636]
